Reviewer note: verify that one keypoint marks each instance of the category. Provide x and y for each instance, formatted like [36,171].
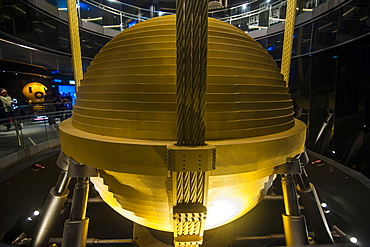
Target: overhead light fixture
[93,19]
[276,19]
[112,26]
[326,25]
[363,18]
[353,240]
[24,46]
[49,25]
[350,10]
[308,10]
[258,27]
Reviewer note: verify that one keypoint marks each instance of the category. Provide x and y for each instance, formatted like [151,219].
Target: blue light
[271,48]
[84,5]
[62,4]
[334,57]
[131,23]
[55,72]
[57,80]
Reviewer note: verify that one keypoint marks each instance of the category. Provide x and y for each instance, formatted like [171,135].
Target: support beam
[76,228]
[295,229]
[52,208]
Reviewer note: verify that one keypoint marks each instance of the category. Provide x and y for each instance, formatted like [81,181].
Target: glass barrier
[24,126]
[31,24]
[248,16]
[333,28]
[329,76]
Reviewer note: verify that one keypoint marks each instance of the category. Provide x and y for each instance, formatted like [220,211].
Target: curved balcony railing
[41,28]
[29,129]
[249,16]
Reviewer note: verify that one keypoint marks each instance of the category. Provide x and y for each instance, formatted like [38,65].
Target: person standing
[6,107]
[50,106]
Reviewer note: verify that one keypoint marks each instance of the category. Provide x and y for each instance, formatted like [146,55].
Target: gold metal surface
[125,119]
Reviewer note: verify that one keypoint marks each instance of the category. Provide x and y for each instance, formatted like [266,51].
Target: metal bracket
[63,161]
[294,165]
[74,168]
[185,158]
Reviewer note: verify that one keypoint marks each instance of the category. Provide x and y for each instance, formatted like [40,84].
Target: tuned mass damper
[124,121]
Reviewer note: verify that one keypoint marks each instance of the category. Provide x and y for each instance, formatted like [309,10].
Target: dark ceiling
[163,3]
[145,3]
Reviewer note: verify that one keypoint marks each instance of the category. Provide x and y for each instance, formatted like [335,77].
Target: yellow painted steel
[34,92]
[124,121]
[288,40]
[74,36]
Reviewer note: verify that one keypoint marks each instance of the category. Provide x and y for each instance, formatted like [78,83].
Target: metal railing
[26,126]
[249,16]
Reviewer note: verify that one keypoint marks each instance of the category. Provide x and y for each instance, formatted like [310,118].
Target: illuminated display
[124,120]
[34,92]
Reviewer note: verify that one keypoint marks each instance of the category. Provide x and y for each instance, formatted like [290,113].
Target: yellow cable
[288,40]
[75,42]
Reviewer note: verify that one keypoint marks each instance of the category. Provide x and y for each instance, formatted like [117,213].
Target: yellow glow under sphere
[125,117]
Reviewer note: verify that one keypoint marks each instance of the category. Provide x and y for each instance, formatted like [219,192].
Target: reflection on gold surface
[125,119]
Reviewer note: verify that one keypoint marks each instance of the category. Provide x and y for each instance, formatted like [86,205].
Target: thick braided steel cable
[288,40]
[194,187]
[197,223]
[75,42]
[200,189]
[191,225]
[180,187]
[187,187]
[185,223]
[190,187]
[178,224]
[191,42]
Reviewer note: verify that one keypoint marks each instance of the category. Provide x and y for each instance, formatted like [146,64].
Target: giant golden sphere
[125,117]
